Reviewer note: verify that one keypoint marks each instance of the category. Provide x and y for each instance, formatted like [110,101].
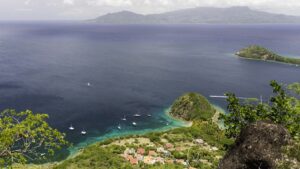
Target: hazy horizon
[87,9]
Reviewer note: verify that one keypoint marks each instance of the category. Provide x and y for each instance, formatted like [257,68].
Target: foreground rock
[258,146]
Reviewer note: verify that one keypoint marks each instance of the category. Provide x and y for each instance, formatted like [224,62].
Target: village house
[131,159]
[152,153]
[149,160]
[199,141]
[169,146]
[141,151]
[134,161]
[169,161]
[214,149]
[162,150]
[140,157]
[181,161]
[179,149]
[160,160]
[129,151]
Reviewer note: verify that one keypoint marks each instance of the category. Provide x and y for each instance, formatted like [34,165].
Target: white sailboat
[119,127]
[71,128]
[134,123]
[124,118]
[137,115]
[83,132]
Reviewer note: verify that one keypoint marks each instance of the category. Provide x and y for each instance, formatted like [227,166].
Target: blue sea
[91,75]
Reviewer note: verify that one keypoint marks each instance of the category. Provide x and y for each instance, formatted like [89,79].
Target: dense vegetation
[283,109]
[192,106]
[295,88]
[97,157]
[261,53]
[25,136]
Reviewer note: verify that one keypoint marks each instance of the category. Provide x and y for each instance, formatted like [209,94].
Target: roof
[152,153]
[141,151]
[134,161]
[149,160]
[169,145]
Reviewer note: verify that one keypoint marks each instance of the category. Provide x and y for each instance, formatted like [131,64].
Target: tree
[294,87]
[25,136]
[283,109]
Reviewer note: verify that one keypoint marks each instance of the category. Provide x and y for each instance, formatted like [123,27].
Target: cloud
[27,2]
[68,2]
[86,9]
[113,3]
[24,10]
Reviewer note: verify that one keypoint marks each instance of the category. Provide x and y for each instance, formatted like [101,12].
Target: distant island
[261,53]
[199,15]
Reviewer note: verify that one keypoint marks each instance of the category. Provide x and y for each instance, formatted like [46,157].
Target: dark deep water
[132,68]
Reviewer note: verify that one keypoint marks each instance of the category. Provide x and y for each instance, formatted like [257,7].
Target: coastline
[186,123]
[174,123]
[270,61]
[219,110]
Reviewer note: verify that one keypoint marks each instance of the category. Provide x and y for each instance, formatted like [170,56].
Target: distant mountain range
[200,15]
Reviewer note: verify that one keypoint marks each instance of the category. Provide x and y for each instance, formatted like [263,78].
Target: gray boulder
[258,146]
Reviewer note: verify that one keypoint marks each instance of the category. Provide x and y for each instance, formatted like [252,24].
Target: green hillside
[261,53]
[192,106]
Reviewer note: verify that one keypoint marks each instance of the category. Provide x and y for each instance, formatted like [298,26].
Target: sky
[88,9]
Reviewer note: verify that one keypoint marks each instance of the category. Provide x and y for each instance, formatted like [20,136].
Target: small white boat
[88,84]
[167,124]
[83,132]
[124,118]
[149,115]
[134,123]
[71,128]
[119,127]
[137,115]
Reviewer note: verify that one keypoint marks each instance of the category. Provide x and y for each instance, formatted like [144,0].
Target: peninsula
[203,145]
[261,53]
[178,148]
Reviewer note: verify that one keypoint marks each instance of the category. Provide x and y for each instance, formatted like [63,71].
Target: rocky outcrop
[258,146]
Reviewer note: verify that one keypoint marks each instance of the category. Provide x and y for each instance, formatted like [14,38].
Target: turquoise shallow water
[114,132]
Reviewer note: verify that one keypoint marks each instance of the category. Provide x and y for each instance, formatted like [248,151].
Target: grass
[96,156]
